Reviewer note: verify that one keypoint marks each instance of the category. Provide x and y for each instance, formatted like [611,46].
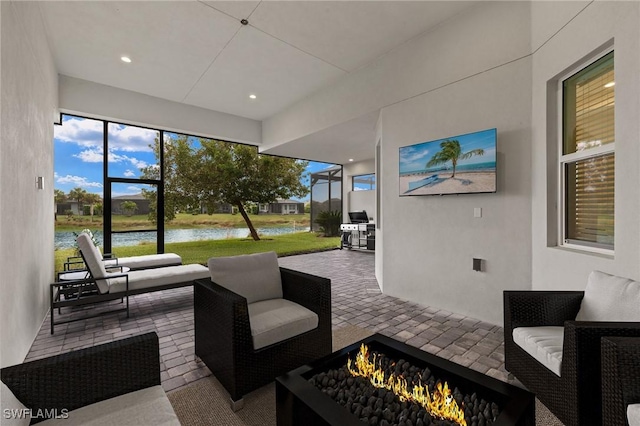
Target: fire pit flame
[440,403]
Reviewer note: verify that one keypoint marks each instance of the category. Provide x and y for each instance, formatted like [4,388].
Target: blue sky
[415,157]
[79,156]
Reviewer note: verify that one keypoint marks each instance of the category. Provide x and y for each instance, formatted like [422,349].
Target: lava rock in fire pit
[379,406]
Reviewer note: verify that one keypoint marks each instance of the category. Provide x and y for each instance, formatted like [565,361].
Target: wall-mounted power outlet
[477,265]
[477,212]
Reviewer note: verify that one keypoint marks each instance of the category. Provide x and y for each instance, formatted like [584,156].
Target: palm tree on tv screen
[450,150]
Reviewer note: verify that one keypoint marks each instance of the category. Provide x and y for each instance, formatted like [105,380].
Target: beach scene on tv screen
[455,165]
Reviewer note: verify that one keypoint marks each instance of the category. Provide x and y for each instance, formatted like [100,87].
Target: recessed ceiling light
[252,96]
[350,159]
[610,84]
[125,59]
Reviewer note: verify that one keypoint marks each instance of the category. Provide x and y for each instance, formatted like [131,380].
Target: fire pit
[380,381]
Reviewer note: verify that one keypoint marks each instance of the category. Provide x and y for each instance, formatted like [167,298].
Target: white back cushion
[610,298]
[255,277]
[14,416]
[94,262]
[633,414]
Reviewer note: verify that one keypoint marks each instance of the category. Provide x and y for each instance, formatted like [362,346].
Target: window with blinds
[588,157]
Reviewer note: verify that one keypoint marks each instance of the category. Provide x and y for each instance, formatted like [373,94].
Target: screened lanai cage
[326,192]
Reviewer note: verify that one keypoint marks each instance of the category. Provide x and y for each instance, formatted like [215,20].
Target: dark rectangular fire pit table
[299,402]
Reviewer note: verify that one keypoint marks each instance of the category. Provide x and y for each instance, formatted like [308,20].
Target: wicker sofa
[621,381]
[226,340]
[575,394]
[109,384]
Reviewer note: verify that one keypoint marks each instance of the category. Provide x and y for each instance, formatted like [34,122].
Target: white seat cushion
[147,406]
[149,278]
[633,414]
[144,262]
[275,320]
[610,298]
[255,277]
[18,414]
[542,343]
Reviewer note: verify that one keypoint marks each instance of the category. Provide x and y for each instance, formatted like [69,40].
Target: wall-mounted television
[461,164]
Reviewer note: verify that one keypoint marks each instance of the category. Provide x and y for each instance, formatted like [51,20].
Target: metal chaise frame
[86,293]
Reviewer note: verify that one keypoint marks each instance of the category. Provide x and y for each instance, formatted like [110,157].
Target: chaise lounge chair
[100,286]
[134,263]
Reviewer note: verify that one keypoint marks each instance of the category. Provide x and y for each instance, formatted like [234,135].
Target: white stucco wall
[28,107]
[430,241]
[471,73]
[358,200]
[87,98]
[598,24]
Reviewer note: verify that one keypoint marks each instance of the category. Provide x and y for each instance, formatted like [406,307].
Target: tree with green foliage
[210,172]
[80,195]
[59,196]
[450,150]
[92,199]
[129,207]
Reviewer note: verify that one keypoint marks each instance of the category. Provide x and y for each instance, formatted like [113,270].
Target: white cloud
[89,134]
[77,181]
[95,155]
[412,154]
[140,164]
[130,138]
[84,132]
[90,156]
[129,173]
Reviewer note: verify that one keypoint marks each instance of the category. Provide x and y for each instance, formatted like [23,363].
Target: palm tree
[80,195]
[450,150]
[92,199]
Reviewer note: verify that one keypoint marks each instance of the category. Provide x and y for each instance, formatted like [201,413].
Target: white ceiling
[198,52]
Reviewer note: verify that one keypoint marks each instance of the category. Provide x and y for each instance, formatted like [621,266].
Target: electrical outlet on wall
[477,212]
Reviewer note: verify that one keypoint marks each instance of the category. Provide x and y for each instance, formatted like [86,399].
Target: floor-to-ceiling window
[133,181]
[146,195]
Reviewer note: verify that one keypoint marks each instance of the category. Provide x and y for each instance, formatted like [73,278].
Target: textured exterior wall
[584,30]
[28,106]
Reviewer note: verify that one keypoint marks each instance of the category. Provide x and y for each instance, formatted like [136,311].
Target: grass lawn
[201,251]
[182,221]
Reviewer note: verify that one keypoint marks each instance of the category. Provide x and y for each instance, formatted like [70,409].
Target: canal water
[64,240]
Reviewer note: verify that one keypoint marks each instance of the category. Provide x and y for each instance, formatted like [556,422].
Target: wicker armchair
[620,378]
[575,396]
[223,338]
[76,379]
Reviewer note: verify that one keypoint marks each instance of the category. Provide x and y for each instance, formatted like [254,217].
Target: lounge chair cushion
[633,414]
[93,259]
[542,343]
[610,298]
[146,406]
[146,262]
[275,320]
[255,277]
[10,402]
[149,278]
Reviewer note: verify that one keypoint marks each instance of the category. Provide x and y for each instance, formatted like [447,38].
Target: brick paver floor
[356,300]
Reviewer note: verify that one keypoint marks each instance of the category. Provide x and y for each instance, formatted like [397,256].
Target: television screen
[457,165]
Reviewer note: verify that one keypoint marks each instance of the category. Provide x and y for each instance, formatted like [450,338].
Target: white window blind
[588,159]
